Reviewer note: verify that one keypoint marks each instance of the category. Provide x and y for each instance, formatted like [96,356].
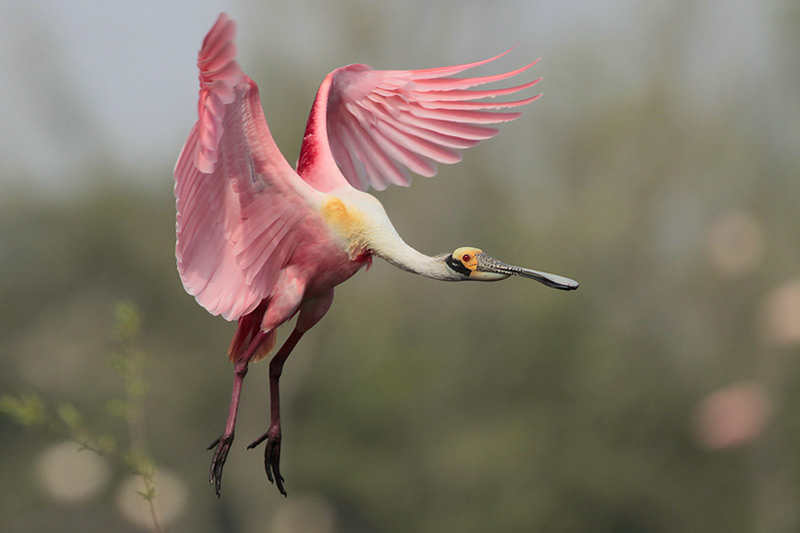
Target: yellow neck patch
[348,223]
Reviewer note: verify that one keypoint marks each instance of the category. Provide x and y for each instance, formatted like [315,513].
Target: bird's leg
[311,311]
[224,441]
[272,452]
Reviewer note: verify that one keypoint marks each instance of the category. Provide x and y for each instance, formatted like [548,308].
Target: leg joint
[276,367]
[240,369]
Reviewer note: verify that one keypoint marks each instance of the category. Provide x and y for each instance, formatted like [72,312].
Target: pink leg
[310,313]
[272,453]
[223,443]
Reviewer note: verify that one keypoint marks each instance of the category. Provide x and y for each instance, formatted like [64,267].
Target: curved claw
[272,457]
[223,446]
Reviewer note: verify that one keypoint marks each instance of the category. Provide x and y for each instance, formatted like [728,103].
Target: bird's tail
[249,326]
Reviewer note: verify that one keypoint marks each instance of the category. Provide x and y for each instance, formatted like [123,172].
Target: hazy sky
[82,80]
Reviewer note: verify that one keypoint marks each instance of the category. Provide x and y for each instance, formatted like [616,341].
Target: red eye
[465,258]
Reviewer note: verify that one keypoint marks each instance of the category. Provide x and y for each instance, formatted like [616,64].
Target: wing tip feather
[432,117]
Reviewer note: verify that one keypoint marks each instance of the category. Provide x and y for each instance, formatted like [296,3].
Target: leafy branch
[66,421]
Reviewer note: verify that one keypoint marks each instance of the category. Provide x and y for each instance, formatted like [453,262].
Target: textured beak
[490,269]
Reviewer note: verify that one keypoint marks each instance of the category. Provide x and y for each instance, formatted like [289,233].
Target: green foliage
[26,410]
[66,420]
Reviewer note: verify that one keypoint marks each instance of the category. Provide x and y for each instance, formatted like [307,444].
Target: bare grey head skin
[471,263]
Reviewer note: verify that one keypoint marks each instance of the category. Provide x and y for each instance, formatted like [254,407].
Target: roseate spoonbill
[260,242]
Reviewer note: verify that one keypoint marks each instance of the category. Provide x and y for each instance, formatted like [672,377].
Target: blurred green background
[660,170]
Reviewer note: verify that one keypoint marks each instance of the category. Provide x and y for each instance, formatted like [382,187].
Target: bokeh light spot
[779,318]
[170,500]
[69,474]
[732,416]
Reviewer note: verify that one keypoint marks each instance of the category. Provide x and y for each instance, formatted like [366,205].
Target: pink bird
[260,242]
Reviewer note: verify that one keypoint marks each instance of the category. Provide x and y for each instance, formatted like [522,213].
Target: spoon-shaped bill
[491,265]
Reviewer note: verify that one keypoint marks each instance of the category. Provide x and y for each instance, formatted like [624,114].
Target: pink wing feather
[243,211]
[379,124]
[241,206]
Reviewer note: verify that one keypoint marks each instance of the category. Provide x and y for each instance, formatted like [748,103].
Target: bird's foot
[272,456]
[223,446]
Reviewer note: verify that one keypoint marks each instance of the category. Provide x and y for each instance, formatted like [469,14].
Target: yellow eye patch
[466,255]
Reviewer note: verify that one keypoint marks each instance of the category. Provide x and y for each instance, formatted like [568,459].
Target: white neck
[407,258]
[379,236]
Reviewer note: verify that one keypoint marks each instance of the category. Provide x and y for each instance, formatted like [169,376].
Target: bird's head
[472,264]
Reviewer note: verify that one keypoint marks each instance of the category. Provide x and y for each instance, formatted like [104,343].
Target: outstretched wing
[241,207]
[382,123]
